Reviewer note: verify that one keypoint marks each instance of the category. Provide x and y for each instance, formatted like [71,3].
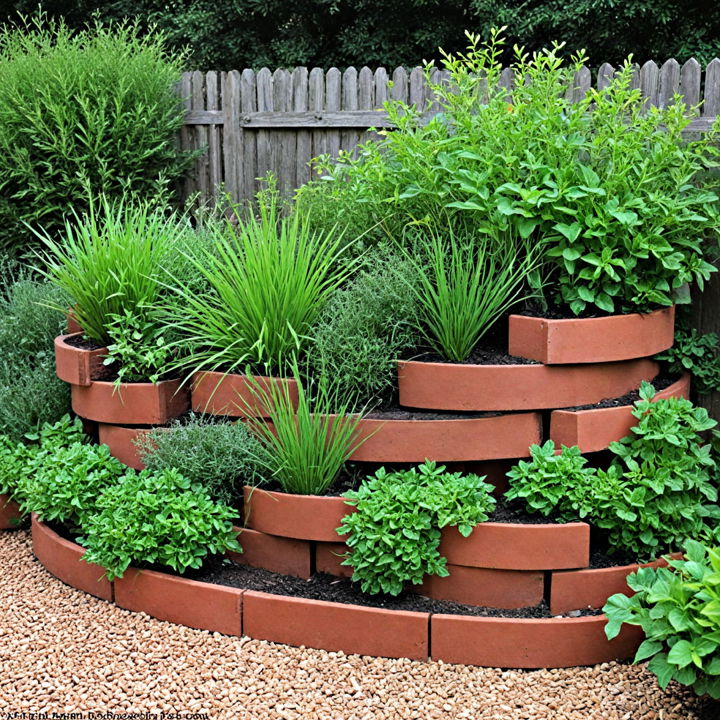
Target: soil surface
[661,382]
[341,590]
[481,355]
[82,343]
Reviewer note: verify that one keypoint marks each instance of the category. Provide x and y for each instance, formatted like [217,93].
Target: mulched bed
[332,589]
[83,343]
[481,355]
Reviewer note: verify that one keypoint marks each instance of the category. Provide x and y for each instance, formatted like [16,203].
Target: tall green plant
[110,262]
[267,282]
[83,114]
[304,448]
[463,287]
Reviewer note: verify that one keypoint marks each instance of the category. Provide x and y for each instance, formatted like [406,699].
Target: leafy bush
[218,455]
[65,483]
[14,459]
[463,288]
[619,194]
[156,517]
[697,353]
[267,282]
[303,449]
[364,328]
[678,608]
[110,263]
[394,533]
[659,490]
[30,392]
[83,115]
[553,484]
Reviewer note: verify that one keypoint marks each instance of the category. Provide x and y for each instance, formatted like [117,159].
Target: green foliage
[64,483]
[110,263]
[304,448]
[394,533]
[30,392]
[363,330]
[552,484]
[14,459]
[659,490]
[156,517]
[463,287]
[615,191]
[697,353]
[267,281]
[82,115]
[678,608]
[216,454]
[138,347]
[318,33]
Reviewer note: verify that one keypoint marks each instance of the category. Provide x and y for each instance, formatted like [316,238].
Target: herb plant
[678,608]
[304,449]
[216,454]
[267,282]
[64,484]
[553,484]
[156,518]
[394,533]
[364,328]
[463,287]
[110,262]
[697,353]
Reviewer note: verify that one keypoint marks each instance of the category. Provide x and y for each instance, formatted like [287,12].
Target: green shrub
[304,448]
[678,609]
[267,281]
[659,491]
[30,392]
[110,263]
[64,483]
[219,455]
[364,328]
[464,287]
[15,458]
[83,115]
[620,196]
[697,353]
[394,533]
[156,518]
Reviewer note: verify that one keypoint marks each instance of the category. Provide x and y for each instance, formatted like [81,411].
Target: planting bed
[473,639]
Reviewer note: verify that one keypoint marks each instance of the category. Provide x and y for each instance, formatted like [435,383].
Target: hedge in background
[252,33]
[82,115]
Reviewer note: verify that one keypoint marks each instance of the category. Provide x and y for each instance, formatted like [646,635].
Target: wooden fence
[251,123]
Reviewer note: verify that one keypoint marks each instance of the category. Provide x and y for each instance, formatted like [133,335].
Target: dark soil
[83,343]
[398,413]
[533,309]
[514,512]
[661,382]
[482,355]
[332,589]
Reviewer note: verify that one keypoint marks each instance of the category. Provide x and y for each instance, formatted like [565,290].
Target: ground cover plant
[212,452]
[621,198]
[394,533]
[115,139]
[697,353]
[678,609]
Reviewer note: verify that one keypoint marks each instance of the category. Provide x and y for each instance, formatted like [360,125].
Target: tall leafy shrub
[621,195]
[82,114]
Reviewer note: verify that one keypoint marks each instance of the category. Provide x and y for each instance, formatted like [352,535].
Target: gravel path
[63,651]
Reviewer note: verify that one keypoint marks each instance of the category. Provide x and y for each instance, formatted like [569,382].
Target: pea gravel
[62,651]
